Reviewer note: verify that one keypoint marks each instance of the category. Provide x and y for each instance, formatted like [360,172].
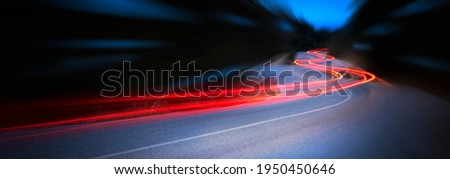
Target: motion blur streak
[317,64]
[402,41]
[125,8]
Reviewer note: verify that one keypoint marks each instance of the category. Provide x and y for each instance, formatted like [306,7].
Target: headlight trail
[191,101]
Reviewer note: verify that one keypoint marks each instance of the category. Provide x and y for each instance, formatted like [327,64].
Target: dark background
[54,49]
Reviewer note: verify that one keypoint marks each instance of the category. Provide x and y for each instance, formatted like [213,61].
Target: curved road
[372,121]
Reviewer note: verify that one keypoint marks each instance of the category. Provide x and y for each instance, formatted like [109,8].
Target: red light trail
[186,103]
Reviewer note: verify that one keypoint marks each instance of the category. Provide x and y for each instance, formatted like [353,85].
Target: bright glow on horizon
[321,14]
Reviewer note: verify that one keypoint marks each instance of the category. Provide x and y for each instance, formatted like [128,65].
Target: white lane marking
[223,131]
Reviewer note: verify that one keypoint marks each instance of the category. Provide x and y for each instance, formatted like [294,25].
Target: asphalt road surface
[372,121]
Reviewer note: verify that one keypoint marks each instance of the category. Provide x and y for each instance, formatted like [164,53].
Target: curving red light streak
[317,63]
